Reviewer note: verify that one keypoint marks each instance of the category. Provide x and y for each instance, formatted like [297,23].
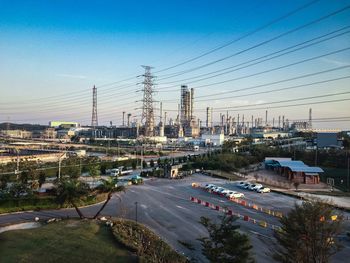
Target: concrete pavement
[164,205]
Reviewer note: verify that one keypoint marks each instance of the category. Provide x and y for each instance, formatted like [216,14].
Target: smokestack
[279,121]
[211,117]
[192,103]
[266,118]
[129,115]
[123,118]
[273,122]
[283,121]
[161,113]
[165,115]
[208,122]
[252,121]
[310,118]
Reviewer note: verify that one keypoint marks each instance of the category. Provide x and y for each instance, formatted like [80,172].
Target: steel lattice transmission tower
[94,121]
[147,108]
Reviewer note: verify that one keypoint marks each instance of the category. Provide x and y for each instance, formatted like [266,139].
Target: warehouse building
[295,171]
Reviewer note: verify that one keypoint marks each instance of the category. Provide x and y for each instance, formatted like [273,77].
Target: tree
[151,163]
[72,168]
[108,186]
[225,244]
[4,180]
[42,178]
[144,164]
[71,191]
[134,164]
[308,234]
[17,190]
[296,185]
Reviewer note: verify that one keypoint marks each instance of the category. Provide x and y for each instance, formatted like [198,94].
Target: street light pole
[59,165]
[136,212]
[348,181]
[316,156]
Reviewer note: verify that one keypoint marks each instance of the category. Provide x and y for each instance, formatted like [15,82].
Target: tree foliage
[108,186]
[71,191]
[308,234]
[225,244]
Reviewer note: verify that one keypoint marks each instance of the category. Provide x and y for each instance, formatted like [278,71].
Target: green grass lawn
[64,241]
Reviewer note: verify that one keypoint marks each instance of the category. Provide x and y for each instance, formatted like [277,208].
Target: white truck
[118,171]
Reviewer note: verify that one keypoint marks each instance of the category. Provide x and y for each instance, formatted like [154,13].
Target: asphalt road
[164,205]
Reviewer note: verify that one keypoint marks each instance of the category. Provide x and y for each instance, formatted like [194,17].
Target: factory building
[188,124]
[63,124]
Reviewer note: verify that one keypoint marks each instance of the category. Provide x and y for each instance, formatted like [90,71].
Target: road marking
[259,234]
[178,206]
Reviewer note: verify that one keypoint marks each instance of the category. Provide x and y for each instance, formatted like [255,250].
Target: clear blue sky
[53,52]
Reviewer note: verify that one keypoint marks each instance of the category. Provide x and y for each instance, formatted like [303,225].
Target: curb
[305,198]
[67,208]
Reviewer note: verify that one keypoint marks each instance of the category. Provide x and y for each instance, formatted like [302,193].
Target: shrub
[148,246]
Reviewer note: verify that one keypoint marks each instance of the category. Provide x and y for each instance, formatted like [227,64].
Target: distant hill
[25,126]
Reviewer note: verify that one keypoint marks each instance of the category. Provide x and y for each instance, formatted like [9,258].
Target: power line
[264,60]
[275,102]
[266,41]
[274,21]
[282,89]
[274,69]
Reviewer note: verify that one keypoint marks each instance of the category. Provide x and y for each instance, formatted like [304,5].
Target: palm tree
[71,191]
[108,186]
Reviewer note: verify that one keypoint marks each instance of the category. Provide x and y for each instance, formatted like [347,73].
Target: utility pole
[136,211]
[59,165]
[348,181]
[141,157]
[17,168]
[316,156]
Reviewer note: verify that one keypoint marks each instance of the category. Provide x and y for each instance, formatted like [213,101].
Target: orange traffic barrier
[246,218]
[217,207]
[206,204]
[229,212]
[199,201]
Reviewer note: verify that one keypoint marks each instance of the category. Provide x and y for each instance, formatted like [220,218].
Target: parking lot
[165,206]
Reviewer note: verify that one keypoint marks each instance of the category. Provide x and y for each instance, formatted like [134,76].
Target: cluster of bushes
[148,246]
[226,162]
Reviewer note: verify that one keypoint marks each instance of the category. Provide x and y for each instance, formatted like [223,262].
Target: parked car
[240,184]
[215,189]
[251,187]
[257,187]
[246,186]
[264,190]
[225,191]
[208,186]
[211,187]
[235,195]
[219,190]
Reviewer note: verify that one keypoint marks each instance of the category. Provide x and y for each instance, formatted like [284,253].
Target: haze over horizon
[284,57]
